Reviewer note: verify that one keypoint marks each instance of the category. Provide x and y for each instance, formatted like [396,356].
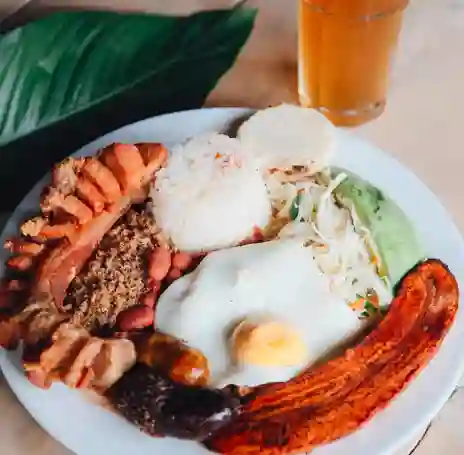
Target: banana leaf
[70,77]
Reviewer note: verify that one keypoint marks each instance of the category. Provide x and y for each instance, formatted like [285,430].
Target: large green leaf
[73,76]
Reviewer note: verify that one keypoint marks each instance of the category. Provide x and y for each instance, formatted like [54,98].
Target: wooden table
[421,127]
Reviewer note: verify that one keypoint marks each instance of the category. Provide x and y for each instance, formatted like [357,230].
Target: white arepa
[210,195]
[286,135]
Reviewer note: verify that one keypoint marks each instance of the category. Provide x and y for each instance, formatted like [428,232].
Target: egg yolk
[268,343]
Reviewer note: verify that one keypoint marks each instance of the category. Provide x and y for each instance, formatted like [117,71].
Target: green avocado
[392,232]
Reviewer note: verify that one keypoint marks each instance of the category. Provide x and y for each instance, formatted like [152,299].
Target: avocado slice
[391,231]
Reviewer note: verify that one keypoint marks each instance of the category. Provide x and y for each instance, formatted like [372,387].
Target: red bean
[149,299]
[134,318]
[181,260]
[159,263]
[174,274]
[155,286]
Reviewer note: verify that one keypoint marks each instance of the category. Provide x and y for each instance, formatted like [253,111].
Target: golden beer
[345,53]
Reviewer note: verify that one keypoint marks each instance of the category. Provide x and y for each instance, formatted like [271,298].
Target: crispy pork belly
[66,244]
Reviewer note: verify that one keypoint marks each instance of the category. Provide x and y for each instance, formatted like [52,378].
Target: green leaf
[73,76]
[371,309]
[295,207]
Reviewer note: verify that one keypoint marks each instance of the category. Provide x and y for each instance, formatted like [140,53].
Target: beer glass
[345,53]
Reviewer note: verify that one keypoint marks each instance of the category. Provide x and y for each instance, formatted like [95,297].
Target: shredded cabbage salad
[305,206]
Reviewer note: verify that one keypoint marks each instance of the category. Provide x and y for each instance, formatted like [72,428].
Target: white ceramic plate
[89,430]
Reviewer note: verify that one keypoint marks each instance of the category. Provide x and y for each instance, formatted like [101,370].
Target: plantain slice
[330,401]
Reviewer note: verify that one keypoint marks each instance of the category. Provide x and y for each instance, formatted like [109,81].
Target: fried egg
[276,296]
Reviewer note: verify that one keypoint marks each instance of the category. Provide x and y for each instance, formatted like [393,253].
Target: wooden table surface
[421,127]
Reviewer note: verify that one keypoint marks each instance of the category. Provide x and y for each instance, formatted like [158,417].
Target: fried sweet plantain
[334,399]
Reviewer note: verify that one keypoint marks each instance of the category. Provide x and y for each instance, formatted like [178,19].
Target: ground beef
[115,277]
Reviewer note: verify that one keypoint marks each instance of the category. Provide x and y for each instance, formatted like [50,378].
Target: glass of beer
[345,54]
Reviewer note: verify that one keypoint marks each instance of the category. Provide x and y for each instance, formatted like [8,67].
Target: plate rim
[239,111]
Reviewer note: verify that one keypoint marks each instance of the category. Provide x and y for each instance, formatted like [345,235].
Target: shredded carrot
[373,299]
[358,304]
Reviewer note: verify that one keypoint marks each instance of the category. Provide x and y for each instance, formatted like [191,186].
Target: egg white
[278,280]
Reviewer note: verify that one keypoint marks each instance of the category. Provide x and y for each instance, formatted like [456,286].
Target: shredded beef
[115,277]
